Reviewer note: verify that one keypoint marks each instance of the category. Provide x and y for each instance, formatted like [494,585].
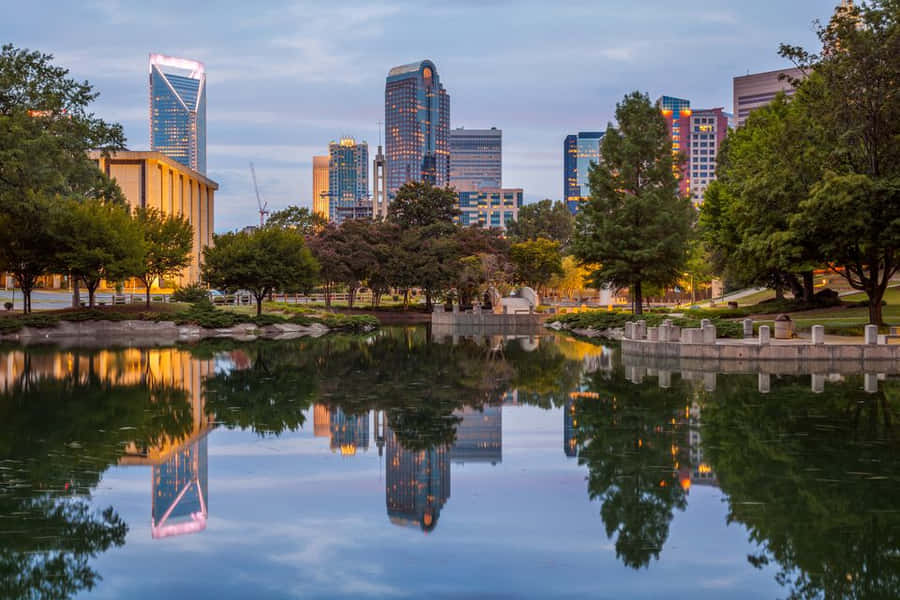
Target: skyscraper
[579,151]
[708,129]
[417,121]
[476,157]
[677,113]
[348,181]
[320,186]
[178,110]
[757,90]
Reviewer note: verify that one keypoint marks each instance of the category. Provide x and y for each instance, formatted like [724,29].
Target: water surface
[398,465]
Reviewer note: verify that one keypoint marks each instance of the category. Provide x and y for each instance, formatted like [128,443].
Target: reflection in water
[809,469]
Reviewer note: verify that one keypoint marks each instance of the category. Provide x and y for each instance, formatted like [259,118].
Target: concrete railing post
[652,334]
[764,383]
[764,335]
[748,328]
[871,334]
[818,383]
[704,323]
[818,335]
[629,330]
[870,383]
[665,379]
[709,334]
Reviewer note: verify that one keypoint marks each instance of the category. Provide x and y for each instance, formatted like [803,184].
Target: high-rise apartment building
[677,114]
[348,181]
[417,125]
[579,151]
[490,208]
[417,483]
[757,90]
[476,157]
[708,130]
[320,197]
[178,110]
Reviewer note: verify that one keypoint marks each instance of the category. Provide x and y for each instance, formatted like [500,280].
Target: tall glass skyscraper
[348,181]
[178,110]
[417,125]
[579,151]
[677,113]
[476,157]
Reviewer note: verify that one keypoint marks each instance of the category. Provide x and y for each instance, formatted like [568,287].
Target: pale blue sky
[285,78]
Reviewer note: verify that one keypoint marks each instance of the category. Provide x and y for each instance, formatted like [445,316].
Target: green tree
[852,98]
[98,241]
[544,219]
[635,226]
[433,259]
[168,242]
[260,261]
[45,133]
[301,219]
[536,261]
[420,204]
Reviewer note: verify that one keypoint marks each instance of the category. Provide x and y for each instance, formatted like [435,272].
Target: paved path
[54,300]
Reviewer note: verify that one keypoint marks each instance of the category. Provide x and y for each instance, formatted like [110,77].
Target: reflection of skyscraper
[701,473]
[417,483]
[479,435]
[178,110]
[180,492]
[349,432]
[570,444]
[321,421]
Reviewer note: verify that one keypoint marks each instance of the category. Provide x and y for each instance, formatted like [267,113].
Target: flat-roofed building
[490,208]
[153,180]
[758,89]
[320,197]
[709,127]
[476,159]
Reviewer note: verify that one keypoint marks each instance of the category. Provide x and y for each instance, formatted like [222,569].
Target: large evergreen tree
[634,229]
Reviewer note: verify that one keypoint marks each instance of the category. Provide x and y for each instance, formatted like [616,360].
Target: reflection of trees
[57,437]
[814,477]
[630,440]
[544,376]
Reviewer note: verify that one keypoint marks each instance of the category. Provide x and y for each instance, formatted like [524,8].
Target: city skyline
[288,84]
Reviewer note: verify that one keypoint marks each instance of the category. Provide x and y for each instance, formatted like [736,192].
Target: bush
[263,320]
[204,314]
[191,293]
[601,320]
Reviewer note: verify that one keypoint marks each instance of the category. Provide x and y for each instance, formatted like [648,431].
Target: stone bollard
[438,308]
[818,383]
[818,335]
[748,328]
[665,379]
[652,334]
[455,308]
[764,335]
[667,322]
[704,323]
[642,329]
[764,383]
[629,330]
[709,334]
[663,335]
[709,382]
[870,383]
[871,334]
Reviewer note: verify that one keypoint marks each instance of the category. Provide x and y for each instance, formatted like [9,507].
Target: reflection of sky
[288,518]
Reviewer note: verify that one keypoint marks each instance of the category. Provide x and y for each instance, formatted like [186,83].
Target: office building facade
[476,159]
[579,151]
[417,125]
[320,198]
[153,180]
[757,90]
[677,114]
[417,483]
[348,181]
[479,435]
[708,130]
[490,208]
[178,110]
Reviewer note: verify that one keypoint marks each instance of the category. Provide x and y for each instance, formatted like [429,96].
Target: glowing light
[195,67]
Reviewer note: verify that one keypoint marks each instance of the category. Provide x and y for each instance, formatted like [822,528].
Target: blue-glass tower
[417,125]
[178,110]
[348,181]
[579,151]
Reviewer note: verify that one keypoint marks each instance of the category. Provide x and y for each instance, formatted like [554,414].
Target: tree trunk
[327,289]
[147,289]
[92,289]
[259,301]
[779,292]
[76,292]
[875,314]
[406,299]
[351,295]
[637,298]
[428,306]
[26,301]
[809,286]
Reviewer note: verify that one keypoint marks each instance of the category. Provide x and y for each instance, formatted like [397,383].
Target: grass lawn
[891,296]
[756,298]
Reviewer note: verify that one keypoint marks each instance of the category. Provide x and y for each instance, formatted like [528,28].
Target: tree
[433,257]
[572,278]
[635,226]
[536,261]
[261,261]
[544,219]
[302,219]
[420,204]
[98,241]
[852,97]
[168,242]
[45,133]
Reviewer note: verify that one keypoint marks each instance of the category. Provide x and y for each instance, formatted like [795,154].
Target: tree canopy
[420,204]
[544,219]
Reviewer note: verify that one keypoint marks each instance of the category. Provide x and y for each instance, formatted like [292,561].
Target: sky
[284,78]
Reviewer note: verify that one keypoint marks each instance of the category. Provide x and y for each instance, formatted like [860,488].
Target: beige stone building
[153,180]
[758,89]
[320,185]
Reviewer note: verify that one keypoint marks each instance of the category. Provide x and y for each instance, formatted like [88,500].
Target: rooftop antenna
[379,123]
[262,207]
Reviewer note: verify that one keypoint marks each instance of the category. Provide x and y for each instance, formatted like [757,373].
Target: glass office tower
[348,181]
[476,157]
[677,113]
[417,125]
[178,110]
[579,151]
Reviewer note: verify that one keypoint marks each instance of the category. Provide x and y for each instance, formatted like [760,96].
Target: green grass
[891,296]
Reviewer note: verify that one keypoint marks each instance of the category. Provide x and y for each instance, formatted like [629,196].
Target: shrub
[268,319]
[8,305]
[191,293]
[206,315]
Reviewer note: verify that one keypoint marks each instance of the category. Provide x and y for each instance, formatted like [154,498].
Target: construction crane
[263,212]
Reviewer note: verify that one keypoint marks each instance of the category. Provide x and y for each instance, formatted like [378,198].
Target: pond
[400,465]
